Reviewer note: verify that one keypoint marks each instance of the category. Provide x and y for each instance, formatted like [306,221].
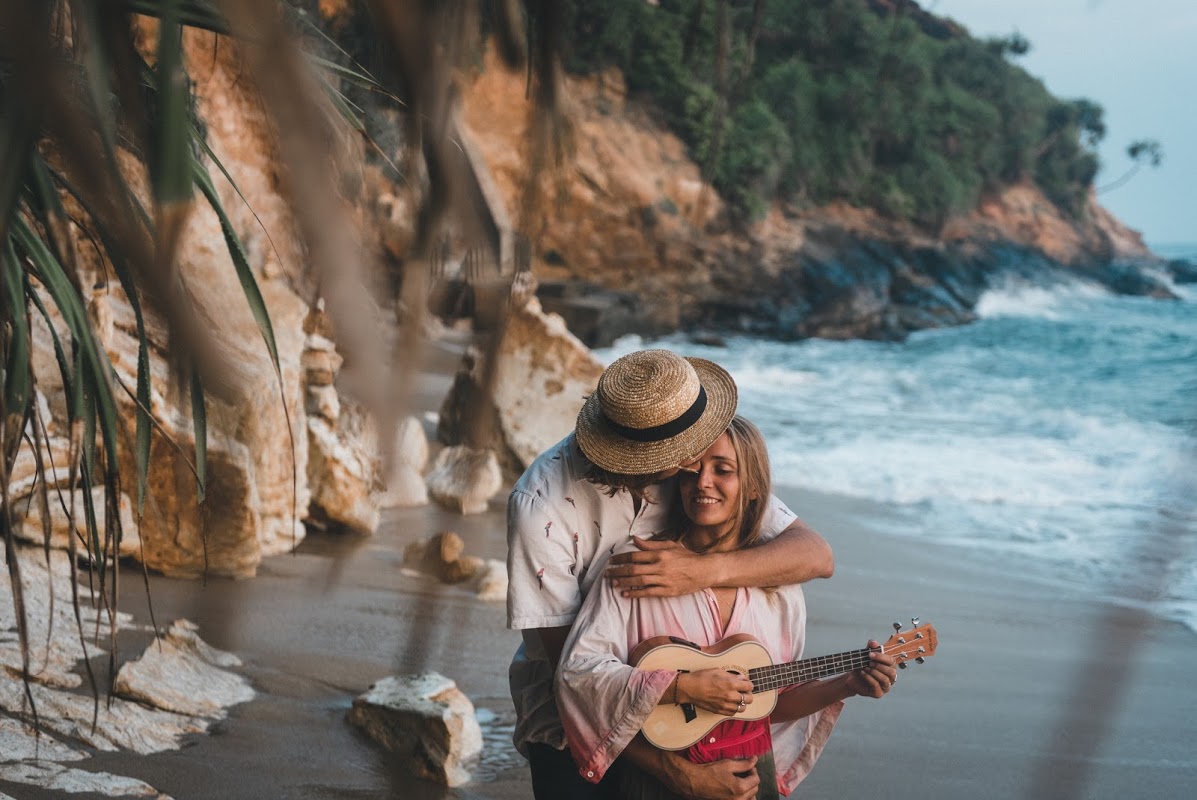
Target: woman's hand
[877,678]
[715,690]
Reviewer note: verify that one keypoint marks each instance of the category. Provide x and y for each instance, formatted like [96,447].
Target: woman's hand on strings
[715,690]
[876,679]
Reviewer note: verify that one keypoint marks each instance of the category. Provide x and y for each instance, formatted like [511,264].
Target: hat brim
[615,453]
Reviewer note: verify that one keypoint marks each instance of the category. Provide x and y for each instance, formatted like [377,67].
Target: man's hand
[660,568]
[730,779]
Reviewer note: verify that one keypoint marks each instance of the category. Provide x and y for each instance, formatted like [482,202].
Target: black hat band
[666,430]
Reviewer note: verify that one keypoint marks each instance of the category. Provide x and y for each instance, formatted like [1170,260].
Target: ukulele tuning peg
[897,626]
[901,665]
[920,660]
[914,621]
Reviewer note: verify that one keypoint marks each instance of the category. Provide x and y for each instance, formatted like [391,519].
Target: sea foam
[1060,428]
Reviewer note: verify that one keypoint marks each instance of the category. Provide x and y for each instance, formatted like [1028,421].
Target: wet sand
[315,629]
[1035,692]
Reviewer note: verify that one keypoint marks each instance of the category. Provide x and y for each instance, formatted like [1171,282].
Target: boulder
[463,479]
[404,480]
[256,439]
[31,528]
[425,720]
[181,673]
[71,781]
[443,555]
[65,709]
[405,488]
[122,724]
[342,473]
[490,581]
[55,456]
[1182,270]
[411,444]
[226,535]
[542,377]
[599,316]
[54,646]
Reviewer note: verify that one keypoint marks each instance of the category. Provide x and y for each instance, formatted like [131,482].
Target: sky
[1135,58]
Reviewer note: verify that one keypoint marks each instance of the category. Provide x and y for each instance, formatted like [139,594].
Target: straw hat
[653,410]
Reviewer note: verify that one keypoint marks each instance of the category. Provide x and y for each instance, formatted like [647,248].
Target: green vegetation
[808,101]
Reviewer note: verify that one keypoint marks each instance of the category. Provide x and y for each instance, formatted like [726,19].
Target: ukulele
[677,727]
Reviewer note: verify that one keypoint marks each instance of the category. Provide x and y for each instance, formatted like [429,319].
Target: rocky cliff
[631,239]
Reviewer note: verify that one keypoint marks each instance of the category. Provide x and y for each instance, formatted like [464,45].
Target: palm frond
[77,99]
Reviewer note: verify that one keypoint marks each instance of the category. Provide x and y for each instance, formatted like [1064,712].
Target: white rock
[19,742]
[56,777]
[463,479]
[404,480]
[411,443]
[183,674]
[122,725]
[425,719]
[405,488]
[491,581]
[54,647]
[542,376]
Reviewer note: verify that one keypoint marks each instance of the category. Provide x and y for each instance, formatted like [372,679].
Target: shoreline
[1045,579]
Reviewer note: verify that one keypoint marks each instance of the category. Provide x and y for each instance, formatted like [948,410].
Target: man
[652,413]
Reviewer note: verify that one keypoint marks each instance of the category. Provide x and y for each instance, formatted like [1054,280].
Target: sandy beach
[1034,693]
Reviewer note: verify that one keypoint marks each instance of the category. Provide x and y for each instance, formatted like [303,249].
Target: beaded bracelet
[676,679]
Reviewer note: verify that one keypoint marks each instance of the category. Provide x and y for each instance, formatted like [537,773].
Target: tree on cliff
[1142,152]
[877,103]
[101,157]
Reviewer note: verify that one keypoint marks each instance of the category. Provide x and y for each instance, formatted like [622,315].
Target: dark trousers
[555,776]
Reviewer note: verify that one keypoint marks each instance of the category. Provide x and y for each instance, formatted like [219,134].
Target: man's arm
[729,779]
[668,569]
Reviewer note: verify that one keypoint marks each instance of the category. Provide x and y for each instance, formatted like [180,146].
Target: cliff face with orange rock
[630,239]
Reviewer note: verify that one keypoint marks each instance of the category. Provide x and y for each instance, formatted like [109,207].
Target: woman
[604,702]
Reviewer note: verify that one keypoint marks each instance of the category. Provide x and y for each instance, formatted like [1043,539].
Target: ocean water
[1059,430]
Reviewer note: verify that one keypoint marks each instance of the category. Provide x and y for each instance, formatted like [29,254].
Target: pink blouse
[604,702]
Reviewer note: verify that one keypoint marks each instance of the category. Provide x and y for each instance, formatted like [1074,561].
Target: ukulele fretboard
[776,676]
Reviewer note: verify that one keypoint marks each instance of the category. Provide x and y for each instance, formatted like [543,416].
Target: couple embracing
[656,518]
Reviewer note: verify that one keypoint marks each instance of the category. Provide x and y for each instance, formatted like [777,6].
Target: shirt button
[712,740]
[590,774]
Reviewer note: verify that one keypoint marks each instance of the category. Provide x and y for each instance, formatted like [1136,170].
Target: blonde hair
[756,486]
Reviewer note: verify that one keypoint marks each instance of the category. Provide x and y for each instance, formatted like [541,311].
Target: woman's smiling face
[710,486]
